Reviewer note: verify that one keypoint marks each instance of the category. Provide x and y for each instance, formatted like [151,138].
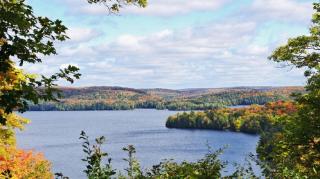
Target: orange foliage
[278,108]
[252,119]
[21,164]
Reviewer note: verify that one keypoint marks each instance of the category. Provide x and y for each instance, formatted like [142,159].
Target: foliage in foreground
[25,39]
[292,148]
[21,164]
[210,166]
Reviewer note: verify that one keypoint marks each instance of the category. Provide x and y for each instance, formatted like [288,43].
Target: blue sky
[177,43]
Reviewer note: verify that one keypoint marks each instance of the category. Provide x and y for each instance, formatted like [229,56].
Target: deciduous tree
[295,147]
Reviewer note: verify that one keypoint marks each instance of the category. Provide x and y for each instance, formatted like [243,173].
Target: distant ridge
[123,98]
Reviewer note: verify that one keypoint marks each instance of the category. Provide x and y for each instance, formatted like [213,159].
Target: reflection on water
[56,134]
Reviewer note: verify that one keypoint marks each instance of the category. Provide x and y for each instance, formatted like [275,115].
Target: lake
[56,134]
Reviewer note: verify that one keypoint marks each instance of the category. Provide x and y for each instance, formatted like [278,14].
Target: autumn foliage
[253,119]
[22,164]
[16,163]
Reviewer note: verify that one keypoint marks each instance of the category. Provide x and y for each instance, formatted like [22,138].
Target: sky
[176,43]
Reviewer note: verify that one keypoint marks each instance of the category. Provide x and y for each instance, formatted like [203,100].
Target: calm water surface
[56,134]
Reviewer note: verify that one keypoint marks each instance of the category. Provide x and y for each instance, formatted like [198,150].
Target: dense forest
[253,119]
[117,98]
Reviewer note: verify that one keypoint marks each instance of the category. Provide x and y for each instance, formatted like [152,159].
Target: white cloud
[154,8]
[82,34]
[177,7]
[281,9]
[128,41]
[223,52]
[219,54]
[81,49]
[264,9]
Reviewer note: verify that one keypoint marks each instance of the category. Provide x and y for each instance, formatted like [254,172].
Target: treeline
[99,98]
[253,119]
[122,106]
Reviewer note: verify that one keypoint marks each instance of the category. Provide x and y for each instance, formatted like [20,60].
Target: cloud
[77,35]
[281,10]
[199,42]
[271,9]
[155,7]
[229,51]
[218,54]
[177,7]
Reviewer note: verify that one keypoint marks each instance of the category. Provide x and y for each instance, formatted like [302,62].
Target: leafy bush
[94,158]
[210,166]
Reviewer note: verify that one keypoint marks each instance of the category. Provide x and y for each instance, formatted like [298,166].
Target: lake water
[56,134]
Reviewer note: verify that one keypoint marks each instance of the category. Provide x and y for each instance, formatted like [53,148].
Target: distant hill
[121,98]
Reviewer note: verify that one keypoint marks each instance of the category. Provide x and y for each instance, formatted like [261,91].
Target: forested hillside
[253,119]
[119,98]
